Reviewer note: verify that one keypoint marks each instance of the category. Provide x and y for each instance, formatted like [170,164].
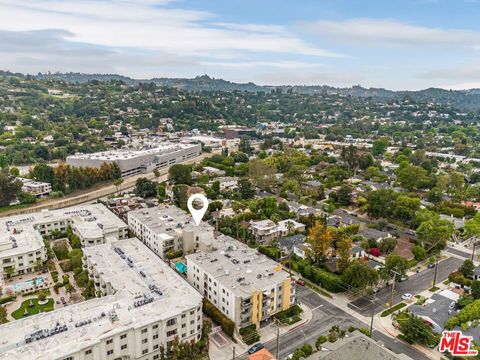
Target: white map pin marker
[197,214]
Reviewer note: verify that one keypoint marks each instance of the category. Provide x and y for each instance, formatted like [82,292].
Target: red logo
[456,344]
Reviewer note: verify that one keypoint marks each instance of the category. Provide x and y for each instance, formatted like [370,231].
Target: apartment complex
[36,188]
[144,306]
[243,284]
[132,162]
[21,236]
[168,228]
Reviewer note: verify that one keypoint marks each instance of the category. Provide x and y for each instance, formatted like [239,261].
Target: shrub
[66,265]
[174,254]
[375,252]
[61,251]
[289,316]
[326,280]
[7,299]
[320,340]
[412,263]
[458,278]
[270,251]
[54,276]
[249,334]
[213,313]
[470,312]
[419,253]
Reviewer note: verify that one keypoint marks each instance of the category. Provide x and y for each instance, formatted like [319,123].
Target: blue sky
[408,44]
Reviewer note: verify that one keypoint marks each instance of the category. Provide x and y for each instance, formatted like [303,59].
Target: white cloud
[263,64]
[388,32]
[147,25]
[309,78]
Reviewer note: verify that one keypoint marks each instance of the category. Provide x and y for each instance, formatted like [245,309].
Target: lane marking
[317,307]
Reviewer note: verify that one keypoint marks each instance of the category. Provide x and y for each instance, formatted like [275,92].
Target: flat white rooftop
[131,154]
[139,300]
[240,268]
[19,233]
[169,220]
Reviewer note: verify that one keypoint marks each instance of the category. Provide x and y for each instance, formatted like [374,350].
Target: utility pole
[473,250]
[278,341]
[435,272]
[393,287]
[373,313]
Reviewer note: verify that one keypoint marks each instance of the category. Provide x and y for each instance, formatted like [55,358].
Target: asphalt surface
[325,315]
[415,284]
[461,253]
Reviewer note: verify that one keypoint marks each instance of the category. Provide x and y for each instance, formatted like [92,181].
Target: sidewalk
[386,324]
[267,333]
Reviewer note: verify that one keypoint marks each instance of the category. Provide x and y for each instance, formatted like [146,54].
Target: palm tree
[290,227]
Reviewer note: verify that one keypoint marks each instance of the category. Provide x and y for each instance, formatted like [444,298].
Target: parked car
[407,296]
[376,290]
[402,278]
[300,282]
[430,266]
[255,348]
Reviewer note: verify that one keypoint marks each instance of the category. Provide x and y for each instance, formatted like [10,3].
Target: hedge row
[7,299]
[391,310]
[249,334]
[325,279]
[218,318]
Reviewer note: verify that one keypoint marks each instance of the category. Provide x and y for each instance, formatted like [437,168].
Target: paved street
[458,252]
[415,284]
[325,315]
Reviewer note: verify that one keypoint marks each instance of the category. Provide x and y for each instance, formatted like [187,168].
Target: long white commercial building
[132,162]
[21,236]
[145,306]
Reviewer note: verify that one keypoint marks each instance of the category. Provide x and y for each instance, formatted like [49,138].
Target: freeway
[325,315]
[415,284]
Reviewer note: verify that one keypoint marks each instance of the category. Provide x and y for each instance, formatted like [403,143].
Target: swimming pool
[27,284]
[181,267]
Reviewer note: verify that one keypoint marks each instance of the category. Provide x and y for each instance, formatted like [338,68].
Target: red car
[301,282]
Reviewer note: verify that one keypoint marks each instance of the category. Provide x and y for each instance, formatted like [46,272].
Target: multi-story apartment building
[21,236]
[168,228]
[144,306]
[36,188]
[132,162]
[243,284]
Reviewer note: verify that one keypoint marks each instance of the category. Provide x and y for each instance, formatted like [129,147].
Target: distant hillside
[199,83]
[465,100]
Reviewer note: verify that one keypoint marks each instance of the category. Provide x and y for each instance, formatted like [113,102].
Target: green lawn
[35,309]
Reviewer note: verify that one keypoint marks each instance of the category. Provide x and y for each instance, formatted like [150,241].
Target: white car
[407,296]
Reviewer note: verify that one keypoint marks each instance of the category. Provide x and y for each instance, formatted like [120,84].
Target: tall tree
[262,173]
[180,174]
[359,276]
[320,238]
[10,187]
[344,252]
